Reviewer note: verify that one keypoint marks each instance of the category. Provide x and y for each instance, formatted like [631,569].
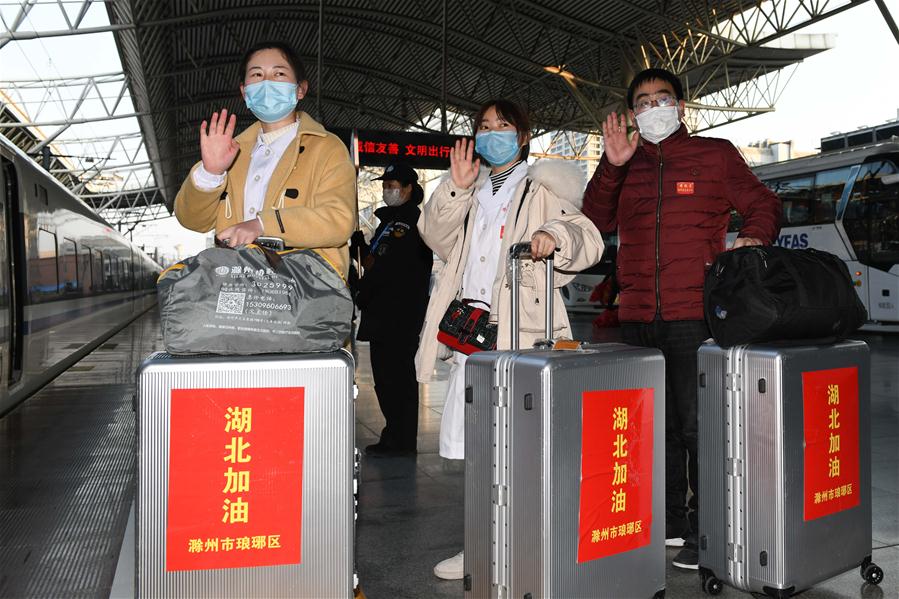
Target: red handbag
[467,329]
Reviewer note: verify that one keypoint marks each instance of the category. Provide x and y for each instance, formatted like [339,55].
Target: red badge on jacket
[685,188]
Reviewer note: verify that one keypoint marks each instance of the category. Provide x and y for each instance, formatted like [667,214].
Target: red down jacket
[671,206]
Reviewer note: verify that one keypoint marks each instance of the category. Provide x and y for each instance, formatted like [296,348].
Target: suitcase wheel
[711,585]
[872,573]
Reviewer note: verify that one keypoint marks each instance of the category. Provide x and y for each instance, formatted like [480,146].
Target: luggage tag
[567,345]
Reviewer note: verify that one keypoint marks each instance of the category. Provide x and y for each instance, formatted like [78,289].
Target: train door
[10,276]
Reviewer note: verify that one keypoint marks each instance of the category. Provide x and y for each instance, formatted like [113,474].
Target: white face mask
[392,197]
[658,122]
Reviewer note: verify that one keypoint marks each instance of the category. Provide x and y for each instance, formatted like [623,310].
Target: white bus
[845,202]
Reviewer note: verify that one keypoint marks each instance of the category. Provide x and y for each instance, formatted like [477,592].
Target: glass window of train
[872,214]
[796,195]
[828,189]
[43,271]
[108,282]
[98,271]
[68,266]
[85,268]
[113,273]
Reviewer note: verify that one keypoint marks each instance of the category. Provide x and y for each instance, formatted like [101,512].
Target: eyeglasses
[660,99]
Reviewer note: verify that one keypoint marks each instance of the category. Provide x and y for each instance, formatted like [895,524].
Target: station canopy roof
[404,64]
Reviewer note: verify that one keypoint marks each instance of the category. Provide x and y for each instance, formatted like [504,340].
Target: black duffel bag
[766,293]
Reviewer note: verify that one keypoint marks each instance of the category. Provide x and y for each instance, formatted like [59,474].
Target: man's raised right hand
[217,146]
[616,145]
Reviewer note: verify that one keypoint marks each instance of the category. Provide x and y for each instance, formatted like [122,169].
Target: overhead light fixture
[561,72]
[571,79]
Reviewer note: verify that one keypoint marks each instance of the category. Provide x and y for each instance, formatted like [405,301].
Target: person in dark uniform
[393,295]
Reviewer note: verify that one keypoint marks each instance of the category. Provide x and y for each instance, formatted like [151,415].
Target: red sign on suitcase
[830,424]
[235,478]
[616,472]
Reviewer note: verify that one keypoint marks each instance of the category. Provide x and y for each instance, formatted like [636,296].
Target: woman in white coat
[471,220]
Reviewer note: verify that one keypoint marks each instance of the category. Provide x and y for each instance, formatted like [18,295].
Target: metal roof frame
[409,64]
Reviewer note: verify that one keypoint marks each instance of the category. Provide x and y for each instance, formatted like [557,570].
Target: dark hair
[654,75]
[418,194]
[512,114]
[285,49]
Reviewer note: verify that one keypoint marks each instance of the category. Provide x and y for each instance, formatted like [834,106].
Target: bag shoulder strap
[527,187]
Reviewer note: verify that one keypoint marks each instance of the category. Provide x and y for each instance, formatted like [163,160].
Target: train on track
[68,280]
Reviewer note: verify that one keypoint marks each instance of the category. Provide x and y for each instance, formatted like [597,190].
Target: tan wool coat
[552,205]
[315,169]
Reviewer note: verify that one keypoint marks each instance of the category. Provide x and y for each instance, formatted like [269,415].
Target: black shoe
[675,536]
[676,531]
[381,450]
[686,559]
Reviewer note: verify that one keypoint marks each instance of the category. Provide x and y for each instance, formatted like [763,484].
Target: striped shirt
[498,179]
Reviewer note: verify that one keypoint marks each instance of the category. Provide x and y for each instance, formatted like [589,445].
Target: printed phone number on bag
[274,288]
[236,303]
[268,306]
[266,287]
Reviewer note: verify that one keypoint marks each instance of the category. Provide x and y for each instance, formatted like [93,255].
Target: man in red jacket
[670,199]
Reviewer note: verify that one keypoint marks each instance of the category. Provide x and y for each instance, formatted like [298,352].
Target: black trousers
[393,369]
[679,342]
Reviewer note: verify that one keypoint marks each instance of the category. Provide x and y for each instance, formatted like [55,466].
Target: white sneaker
[451,568]
[675,542]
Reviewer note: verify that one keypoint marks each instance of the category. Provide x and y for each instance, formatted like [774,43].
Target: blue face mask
[497,147]
[271,101]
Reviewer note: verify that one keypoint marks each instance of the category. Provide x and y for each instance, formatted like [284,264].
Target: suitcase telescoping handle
[517,252]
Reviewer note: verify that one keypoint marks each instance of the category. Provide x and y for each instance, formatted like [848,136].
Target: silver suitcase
[245,476]
[785,466]
[550,511]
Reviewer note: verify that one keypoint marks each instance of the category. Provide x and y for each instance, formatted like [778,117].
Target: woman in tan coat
[284,176]
[471,221]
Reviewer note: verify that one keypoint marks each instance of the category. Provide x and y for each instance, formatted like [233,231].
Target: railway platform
[67,472]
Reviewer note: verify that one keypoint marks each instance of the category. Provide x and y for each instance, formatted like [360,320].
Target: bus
[845,202]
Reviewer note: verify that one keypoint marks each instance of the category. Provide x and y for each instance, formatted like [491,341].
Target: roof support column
[318,69]
[888,18]
[443,66]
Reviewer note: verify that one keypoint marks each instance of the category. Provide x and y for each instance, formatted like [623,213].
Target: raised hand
[617,147]
[217,146]
[462,169]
